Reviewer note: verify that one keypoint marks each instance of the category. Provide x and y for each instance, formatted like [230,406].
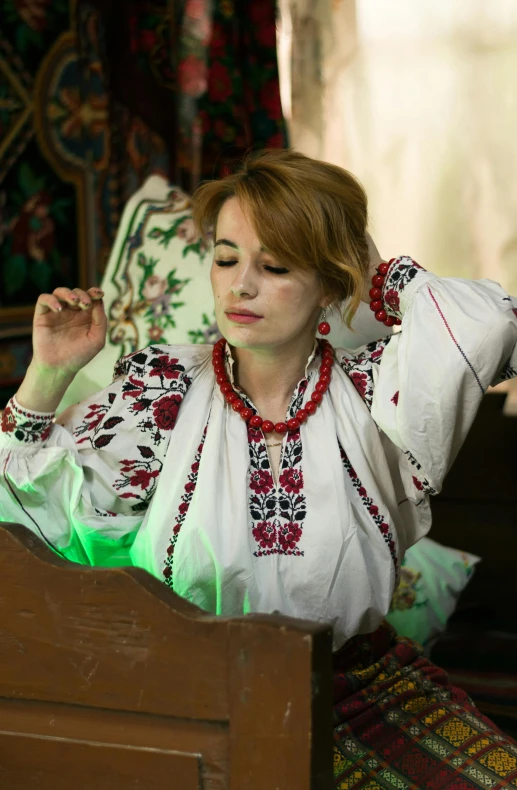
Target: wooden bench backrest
[110,680]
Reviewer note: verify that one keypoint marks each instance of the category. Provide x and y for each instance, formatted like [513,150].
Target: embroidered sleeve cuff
[399,285]
[25,427]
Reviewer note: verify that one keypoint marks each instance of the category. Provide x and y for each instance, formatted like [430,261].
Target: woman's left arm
[457,338]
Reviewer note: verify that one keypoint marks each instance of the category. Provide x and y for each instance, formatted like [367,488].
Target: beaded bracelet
[376,305]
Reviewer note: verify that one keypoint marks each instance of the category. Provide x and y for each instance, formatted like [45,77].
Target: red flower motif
[395,398]
[265,534]
[44,437]
[189,488]
[166,366]
[292,480]
[391,299]
[165,411]
[195,468]
[289,535]
[417,483]
[362,491]
[127,465]
[360,381]
[8,421]
[374,510]
[138,405]
[95,414]
[261,482]
[142,478]
[219,83]
[183,507]
[138,385]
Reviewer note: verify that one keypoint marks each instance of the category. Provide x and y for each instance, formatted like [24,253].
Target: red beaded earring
[324,326]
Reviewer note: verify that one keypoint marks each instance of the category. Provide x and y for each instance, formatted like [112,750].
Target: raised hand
[69,329]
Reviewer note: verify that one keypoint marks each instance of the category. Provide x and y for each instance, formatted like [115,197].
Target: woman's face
[285,303]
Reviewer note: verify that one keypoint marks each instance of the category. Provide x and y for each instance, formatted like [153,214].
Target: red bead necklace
[255,420]
[376,304]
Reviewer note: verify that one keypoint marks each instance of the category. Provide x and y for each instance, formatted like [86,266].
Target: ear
[326,302]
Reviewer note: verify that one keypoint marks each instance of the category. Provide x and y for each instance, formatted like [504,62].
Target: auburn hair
[306,213]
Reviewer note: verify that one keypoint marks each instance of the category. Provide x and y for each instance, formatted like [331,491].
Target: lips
[241,311]
[243,317]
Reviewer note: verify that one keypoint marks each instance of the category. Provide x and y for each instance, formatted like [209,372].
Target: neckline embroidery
[277,512]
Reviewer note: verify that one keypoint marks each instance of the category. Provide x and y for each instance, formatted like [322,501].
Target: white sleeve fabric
[457,338]
[83,482]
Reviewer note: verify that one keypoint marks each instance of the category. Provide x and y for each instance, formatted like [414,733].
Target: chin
[243,339]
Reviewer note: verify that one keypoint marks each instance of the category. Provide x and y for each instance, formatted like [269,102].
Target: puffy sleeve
[83,482]
[424,384]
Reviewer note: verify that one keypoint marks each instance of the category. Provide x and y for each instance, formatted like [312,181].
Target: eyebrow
[228,243]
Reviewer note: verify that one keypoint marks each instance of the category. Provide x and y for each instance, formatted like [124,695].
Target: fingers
[47,303]
[98,313]
[75,299]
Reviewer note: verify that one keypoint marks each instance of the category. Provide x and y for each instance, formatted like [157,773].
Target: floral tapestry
[71,156]
[71,153]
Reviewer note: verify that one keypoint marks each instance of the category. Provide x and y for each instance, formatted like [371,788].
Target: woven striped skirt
[399,724]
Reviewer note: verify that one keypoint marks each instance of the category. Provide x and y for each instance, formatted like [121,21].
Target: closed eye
[276,270]
[272,269]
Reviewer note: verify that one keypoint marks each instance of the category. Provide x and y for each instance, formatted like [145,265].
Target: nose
[244,281]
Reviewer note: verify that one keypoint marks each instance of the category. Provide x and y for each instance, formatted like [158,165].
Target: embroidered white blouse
[158,471]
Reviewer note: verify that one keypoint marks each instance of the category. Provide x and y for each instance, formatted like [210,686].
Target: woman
[273,473]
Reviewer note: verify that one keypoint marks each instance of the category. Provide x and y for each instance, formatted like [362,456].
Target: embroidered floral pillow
[431,580]
[157,284]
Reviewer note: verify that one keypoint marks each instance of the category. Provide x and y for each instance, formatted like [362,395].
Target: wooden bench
[110,680]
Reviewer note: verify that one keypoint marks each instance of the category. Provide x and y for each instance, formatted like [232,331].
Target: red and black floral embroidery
[359,367]
[158,401]
[26,426]
[372,508]
[186,499]
[140,476]
[155,385]
[297,402]
[420,482]
[277,513]
[92,422]
[399,275]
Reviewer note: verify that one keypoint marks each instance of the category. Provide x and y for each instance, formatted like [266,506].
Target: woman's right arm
[82,483]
